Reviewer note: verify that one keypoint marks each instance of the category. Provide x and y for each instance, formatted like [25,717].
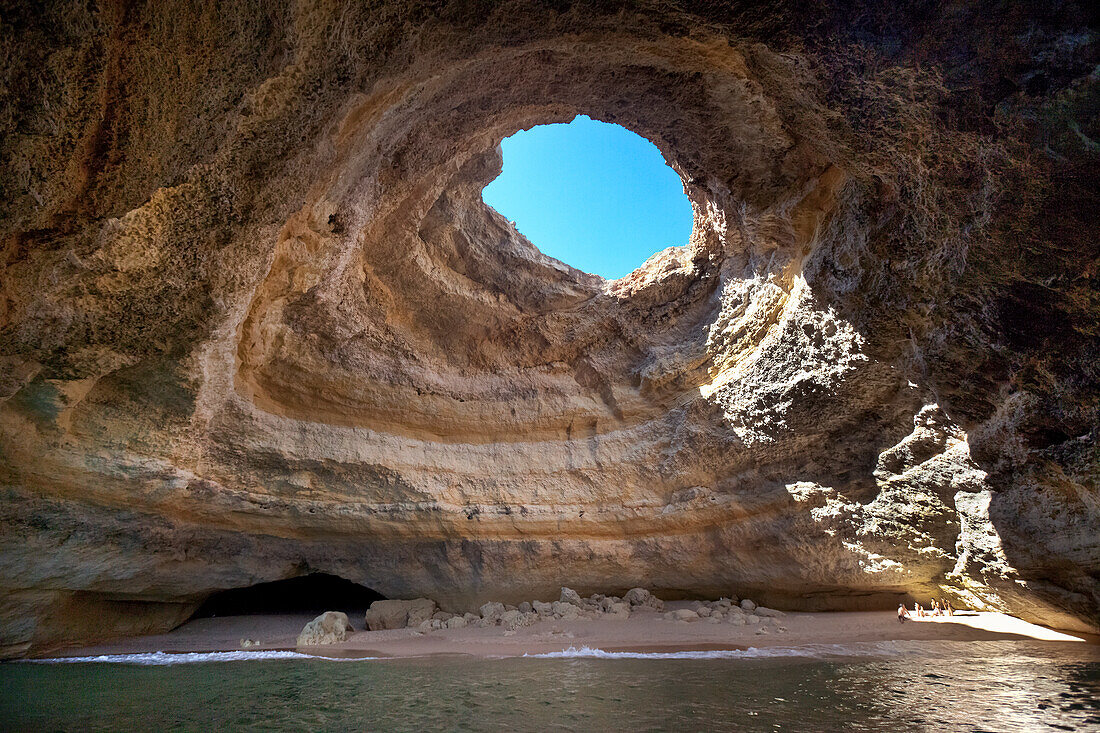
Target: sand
[643,632]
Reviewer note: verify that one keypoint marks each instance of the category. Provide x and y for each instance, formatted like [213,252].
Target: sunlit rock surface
[255,320]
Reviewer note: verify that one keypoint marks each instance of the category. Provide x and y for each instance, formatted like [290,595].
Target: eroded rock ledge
[256,322]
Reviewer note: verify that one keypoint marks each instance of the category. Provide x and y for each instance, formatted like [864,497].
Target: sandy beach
[642,632]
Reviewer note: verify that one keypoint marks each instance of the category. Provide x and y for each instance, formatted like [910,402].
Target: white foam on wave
[166,658]
[818,651]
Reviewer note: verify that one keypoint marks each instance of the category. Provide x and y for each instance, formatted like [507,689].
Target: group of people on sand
[939,608]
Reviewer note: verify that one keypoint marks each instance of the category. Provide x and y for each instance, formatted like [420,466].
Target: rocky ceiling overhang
[255,320]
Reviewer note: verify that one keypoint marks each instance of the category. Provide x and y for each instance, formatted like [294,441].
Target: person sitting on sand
[918,610]
[935,607]
[948,608]
[903,613]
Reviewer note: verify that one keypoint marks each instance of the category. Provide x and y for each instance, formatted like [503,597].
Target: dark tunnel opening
[313,594]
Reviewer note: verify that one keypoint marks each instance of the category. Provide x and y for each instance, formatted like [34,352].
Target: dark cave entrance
[313,594]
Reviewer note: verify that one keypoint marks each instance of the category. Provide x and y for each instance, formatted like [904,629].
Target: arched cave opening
[594,195]
[307,594]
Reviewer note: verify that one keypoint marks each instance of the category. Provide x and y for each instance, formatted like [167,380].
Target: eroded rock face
[255,320]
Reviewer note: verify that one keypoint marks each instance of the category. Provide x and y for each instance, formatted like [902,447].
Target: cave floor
[642,632]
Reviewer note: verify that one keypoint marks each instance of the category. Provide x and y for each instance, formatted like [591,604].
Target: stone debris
[423,615]
[492,611]
[568,595]
[398,614]
[642,598]
[331,627]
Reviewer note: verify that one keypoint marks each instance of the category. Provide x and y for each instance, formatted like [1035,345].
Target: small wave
[165,658]
[818,651]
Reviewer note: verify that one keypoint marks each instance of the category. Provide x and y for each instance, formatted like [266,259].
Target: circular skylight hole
[594,195]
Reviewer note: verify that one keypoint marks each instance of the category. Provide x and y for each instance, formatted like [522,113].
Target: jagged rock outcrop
[255,320]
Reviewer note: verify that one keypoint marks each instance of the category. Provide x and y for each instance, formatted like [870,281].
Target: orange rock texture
[256,322]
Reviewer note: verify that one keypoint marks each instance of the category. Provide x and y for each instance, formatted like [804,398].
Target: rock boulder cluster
[728,610]
[423,614]
[256,321]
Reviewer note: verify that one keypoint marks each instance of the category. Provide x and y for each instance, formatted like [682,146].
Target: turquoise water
[899,686]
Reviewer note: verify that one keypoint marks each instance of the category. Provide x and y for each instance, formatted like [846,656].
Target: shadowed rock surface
[256,322]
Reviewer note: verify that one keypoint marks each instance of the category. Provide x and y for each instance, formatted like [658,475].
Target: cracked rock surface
[256,322]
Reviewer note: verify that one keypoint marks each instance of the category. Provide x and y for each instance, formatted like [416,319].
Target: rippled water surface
[899,686]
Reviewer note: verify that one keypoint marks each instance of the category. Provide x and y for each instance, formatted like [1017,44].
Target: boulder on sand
[331,627]
[685,614]
[399,614]
[568,595]
[565,610]
[619,610]
[492,611]
[640,598]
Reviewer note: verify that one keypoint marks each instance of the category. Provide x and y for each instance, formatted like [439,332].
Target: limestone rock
[685,614]
[398,614]
[747,605]
[568,595]
[492,611]
[267,323]
[331,627]
[642,598]
[566,610]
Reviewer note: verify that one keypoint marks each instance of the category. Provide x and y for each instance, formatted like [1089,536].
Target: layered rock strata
[256,322]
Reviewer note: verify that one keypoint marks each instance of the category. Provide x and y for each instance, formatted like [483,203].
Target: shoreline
[645,633]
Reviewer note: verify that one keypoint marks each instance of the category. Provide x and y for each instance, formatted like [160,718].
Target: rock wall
[255,320]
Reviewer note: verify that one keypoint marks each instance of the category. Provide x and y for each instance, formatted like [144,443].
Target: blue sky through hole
[594,195]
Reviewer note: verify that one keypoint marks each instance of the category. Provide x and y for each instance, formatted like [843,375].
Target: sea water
[889,686]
